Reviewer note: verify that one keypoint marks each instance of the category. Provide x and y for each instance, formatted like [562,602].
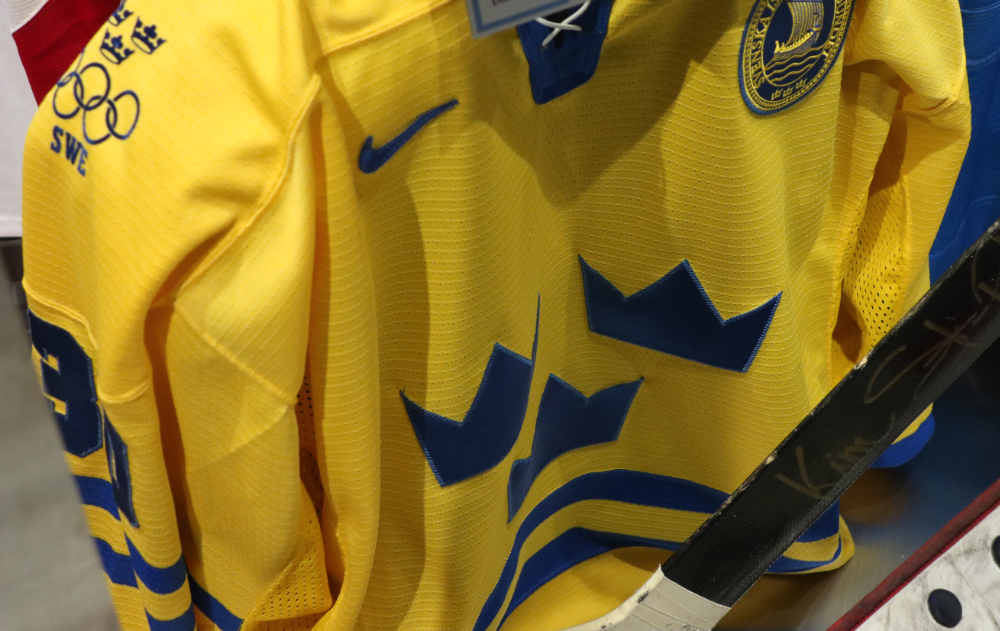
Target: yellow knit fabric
[253,304]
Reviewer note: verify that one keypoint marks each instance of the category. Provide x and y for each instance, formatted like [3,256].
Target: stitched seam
[233,237]
[61,309]
[961,80]
[127,397]
[71,314]
[836,295]
[232,358]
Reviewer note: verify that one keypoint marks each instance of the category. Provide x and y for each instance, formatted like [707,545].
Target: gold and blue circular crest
[788,48]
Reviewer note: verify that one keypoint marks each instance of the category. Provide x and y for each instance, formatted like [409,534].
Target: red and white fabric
[51,33]
[39,39]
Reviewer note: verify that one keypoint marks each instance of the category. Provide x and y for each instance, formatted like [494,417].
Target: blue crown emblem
[674,315]
[120,15]
[145,37]
[568,420]
[457,450]
[114,49]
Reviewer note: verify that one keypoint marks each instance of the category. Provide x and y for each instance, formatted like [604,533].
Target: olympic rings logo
[90,93]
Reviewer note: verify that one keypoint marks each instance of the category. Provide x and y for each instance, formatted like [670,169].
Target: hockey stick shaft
[837,441]
[911,366]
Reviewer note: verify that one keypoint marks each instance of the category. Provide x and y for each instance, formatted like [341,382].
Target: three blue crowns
[674,315]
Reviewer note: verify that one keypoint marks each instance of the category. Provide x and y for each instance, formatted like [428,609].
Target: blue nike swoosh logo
[372,158]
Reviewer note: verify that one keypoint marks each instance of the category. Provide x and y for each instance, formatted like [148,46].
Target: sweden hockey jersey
[351,321]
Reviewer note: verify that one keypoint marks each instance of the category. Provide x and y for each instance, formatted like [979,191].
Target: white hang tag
[490,16]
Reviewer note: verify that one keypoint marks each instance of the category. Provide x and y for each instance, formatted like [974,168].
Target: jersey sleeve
[196,262]
[169,213]
[919,50]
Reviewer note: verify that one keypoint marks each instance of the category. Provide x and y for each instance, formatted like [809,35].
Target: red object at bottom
[953,532]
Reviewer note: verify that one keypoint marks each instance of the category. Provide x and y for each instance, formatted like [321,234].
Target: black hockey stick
[911,366]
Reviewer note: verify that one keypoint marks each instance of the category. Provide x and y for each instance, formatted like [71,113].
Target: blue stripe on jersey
[579,544]
[97,492]
[784,565]
[567,420]
[123,568]
[213,609]
[620,485]
[184,622]
[573,546]
[159,580]
[117,566]
[906,449]
[664,492]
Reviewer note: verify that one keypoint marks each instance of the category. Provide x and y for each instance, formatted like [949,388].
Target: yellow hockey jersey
[351,321]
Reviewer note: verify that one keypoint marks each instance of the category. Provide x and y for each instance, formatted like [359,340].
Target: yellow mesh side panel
[286,605]
[309,469]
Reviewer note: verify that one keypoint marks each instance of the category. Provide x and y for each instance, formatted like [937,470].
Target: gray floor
[50,577]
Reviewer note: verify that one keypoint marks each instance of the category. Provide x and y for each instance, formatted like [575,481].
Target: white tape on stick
[647,610]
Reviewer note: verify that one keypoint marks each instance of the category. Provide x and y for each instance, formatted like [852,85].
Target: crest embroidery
[788,48]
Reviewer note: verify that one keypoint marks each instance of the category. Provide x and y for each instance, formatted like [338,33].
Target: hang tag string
[565,25]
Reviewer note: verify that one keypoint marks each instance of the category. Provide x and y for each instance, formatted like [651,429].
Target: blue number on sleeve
[68,377]
[121,481]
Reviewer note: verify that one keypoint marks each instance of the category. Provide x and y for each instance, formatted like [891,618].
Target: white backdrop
[16,109]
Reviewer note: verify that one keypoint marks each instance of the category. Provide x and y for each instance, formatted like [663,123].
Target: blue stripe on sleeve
[184,622]
[123,568]
[97,492]
[160,580]
[213,609]
[117,566]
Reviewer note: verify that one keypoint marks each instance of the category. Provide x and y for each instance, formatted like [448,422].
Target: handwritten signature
[985,295]
[842,461]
